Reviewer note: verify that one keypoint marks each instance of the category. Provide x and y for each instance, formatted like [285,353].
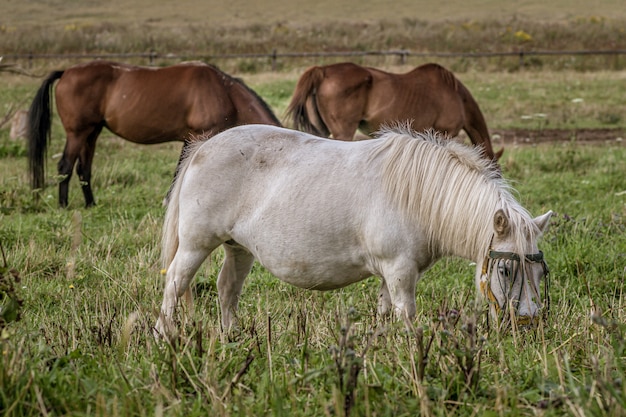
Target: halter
[485,283]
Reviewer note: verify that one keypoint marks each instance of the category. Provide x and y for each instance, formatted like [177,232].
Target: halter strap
[533,257]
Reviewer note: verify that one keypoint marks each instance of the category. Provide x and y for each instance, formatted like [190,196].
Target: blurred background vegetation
[203,29]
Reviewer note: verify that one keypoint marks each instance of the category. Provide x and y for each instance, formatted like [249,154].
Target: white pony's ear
[501,224]
[543,221]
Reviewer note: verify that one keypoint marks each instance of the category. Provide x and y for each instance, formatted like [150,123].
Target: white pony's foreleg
[384,300]
[237,265]
[179,275]
[401,293]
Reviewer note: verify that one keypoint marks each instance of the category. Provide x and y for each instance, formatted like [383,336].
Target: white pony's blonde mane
[451,190]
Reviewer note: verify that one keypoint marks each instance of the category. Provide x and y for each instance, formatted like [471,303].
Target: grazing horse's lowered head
[513,281]
[322,214]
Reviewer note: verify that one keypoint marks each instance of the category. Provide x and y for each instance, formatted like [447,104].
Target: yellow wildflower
[523,36]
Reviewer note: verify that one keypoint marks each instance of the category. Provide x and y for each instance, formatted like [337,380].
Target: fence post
[521,58]
[403,55]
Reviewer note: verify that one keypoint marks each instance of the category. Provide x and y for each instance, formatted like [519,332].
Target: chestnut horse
[140,104]
[338,99]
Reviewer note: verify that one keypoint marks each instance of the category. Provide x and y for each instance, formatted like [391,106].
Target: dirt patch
[535,136]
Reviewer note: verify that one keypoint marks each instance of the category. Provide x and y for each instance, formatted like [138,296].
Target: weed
[10,300]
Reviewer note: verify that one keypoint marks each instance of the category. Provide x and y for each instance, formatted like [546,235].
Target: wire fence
[275,57]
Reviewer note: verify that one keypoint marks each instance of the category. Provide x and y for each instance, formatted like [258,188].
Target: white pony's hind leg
[179,275]
[237,265]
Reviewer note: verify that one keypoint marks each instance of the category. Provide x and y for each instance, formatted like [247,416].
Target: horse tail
[39,127]
[304,94]
[169,238]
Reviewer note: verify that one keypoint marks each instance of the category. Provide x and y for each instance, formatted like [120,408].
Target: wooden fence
[276,56]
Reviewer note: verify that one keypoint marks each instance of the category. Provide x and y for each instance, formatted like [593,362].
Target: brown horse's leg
[83,169]
[345,131]
[341,115]
[64,169]
[342,119]
[78,147]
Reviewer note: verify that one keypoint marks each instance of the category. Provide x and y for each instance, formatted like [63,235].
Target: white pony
[322,214]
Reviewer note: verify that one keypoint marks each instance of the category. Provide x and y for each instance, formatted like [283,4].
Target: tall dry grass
[416,36]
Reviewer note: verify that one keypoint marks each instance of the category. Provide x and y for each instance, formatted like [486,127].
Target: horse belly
[147,129]
[311,278]
[310,243]
[315,270]
[146,117]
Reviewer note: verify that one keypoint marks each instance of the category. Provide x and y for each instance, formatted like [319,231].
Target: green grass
[90,285]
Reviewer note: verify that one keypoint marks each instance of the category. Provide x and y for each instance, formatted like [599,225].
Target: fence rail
[274,56]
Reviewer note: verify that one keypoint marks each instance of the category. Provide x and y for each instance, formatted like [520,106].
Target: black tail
[39,123]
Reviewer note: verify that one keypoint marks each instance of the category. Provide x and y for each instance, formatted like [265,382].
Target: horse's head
[513,279]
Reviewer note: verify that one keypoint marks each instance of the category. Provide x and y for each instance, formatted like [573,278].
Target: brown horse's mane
[248,89]
[240,82]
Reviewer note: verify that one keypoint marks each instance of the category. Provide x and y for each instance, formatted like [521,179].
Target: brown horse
[338,99]
[140,104]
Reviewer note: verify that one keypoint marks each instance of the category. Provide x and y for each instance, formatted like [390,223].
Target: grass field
[87,283]
[90,285]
